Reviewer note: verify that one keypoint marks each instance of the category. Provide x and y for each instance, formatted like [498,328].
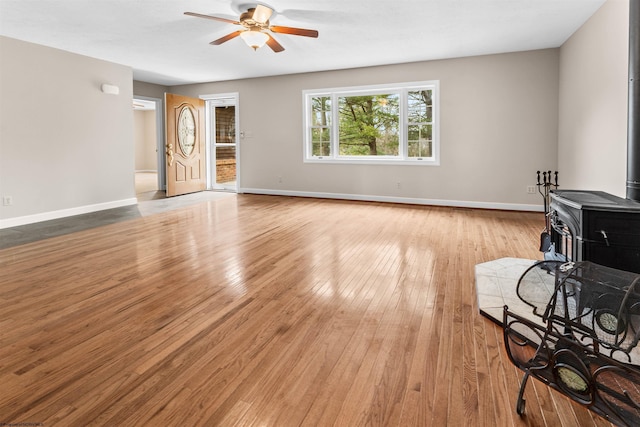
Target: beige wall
[499,124]
[144,125]
[65,146]
[592,137]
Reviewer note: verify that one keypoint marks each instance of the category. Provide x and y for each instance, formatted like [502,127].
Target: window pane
[368,125]
[321,111]
[320,142]
[225,125]
[419,103]
[419,140]
[320,135]
[225,165]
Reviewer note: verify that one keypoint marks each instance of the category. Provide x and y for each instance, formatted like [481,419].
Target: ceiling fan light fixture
[257,29]
[254,38]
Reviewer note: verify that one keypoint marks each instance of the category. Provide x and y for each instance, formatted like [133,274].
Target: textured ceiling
[164,46]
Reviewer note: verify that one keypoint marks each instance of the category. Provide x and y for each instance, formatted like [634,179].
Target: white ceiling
[164,46]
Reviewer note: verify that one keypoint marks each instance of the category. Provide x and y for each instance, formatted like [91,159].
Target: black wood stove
[596,226]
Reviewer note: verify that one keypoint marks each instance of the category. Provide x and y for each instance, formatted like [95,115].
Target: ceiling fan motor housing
[246,19]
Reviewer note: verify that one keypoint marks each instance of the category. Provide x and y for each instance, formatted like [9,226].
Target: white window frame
[402,90]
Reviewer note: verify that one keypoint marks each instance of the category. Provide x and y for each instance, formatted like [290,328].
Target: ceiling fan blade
[274,45]
[294,31]
[215,18]
[226,38]
[262,14]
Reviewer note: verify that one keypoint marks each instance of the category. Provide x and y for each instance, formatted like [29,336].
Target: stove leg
[520,404]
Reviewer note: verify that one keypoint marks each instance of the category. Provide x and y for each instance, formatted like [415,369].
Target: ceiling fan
[256,26]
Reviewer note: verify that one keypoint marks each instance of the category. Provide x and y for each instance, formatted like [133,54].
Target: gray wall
[145,140]
[592,137]
[65,147]
[499,124]
[149,90]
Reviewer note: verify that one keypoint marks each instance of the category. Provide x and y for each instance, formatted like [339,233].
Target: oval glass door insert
[186,131]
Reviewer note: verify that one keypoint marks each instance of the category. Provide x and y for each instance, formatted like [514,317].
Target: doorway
[148,142]
[223,124]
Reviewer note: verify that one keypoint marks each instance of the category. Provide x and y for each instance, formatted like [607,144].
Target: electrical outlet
[280,179]
[398,185]
[7,200]
[531,189]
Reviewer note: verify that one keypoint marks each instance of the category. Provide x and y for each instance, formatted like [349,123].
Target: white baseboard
[403,200]
[46,216]
[146,171]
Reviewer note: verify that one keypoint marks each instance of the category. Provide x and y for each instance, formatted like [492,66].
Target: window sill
[353,161]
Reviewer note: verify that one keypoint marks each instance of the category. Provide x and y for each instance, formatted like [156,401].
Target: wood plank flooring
[267,311]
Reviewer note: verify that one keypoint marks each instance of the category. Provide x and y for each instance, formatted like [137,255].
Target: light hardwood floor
[267,311]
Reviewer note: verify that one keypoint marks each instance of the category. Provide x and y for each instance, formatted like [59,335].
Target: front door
[185,155]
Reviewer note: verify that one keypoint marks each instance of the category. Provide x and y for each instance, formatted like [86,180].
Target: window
[372,124]
[320,126]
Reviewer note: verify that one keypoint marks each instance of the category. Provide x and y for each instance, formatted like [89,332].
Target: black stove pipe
[633,120]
